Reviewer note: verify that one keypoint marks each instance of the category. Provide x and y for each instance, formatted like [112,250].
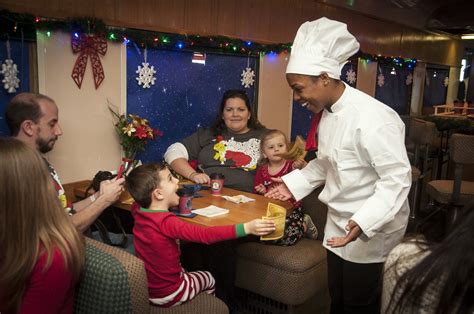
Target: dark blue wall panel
[19,55]
[185,95]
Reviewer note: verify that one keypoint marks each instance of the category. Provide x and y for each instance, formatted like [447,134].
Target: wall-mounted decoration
[88,46]
[10,72]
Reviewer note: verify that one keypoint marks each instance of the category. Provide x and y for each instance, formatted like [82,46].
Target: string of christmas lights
[25,26]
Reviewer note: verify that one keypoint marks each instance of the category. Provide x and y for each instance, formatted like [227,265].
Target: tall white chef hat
[320,46]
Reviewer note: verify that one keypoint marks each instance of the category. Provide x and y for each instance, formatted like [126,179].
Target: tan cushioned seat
[442,190]
[203,303]
[290,275]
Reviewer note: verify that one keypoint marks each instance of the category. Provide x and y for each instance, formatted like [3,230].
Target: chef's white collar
[339,104]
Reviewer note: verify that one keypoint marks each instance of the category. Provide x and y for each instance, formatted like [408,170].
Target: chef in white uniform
[361,161]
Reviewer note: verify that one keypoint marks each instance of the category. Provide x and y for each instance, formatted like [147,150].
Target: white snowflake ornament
[380,80]
[146,75]
[409,79]
[446,81]
[351,76]
[10,79]
[247,77]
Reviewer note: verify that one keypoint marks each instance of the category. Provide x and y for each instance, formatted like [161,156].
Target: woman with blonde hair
[43,254]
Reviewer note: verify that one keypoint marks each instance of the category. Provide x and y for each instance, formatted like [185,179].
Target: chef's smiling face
[310,91]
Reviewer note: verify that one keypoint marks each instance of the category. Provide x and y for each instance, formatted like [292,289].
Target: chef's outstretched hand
[354,232]
[279,191]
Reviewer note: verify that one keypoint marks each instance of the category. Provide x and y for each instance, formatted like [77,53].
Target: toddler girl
[273,145]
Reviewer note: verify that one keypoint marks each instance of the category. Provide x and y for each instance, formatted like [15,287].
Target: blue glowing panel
[300,121]
[185,95]
[19,55]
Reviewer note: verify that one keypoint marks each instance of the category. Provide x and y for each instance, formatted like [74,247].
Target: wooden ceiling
[454,17]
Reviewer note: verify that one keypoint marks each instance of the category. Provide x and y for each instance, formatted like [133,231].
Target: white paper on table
[238,198]
[210,211]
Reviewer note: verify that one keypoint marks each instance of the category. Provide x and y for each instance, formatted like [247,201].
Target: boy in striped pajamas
[157,233]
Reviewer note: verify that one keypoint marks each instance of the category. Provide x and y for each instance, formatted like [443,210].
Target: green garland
[24,26]
[460,125]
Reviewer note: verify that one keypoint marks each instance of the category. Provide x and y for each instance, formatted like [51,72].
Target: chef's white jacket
[363,163]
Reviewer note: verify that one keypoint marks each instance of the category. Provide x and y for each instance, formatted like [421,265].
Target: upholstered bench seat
[290,275]
[295,277]
[115,281]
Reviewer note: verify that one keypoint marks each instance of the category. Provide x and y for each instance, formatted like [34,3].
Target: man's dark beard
[44,146]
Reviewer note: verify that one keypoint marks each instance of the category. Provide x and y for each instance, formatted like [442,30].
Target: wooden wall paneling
[105,9]
[288,11]
[412,45]
[226,19]
[126,13]
[252,20]
[169,15]
[271,21]
[198,16]
[375,36]
[80,8]
[431,48]
[151,14]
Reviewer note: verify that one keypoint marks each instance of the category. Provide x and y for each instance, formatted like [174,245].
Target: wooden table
[238,213]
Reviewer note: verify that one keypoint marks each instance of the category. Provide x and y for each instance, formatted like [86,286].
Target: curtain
[436,86]
[393,87]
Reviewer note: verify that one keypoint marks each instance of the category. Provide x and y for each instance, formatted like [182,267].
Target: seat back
[462,153]
[114,281]
[425,135]
[462,148]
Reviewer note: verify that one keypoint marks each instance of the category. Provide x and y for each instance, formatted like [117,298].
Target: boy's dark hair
[142,181]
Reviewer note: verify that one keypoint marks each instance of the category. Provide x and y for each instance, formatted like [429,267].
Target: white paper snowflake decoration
[247,77]
[351,76]
[146,74]
[10,72]
[380,80]
[10,76]
[409,79]
[446,81]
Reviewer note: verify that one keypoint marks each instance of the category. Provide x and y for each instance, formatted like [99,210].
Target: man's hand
[259,227]
[354,232]
[110,190]
[201,178]
[279,191]
[261,189]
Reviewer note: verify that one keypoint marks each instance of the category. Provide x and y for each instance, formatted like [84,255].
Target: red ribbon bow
[88,46]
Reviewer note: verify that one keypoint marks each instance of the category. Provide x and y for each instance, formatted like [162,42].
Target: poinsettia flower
[141,132]
[129,129]
[134,132]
